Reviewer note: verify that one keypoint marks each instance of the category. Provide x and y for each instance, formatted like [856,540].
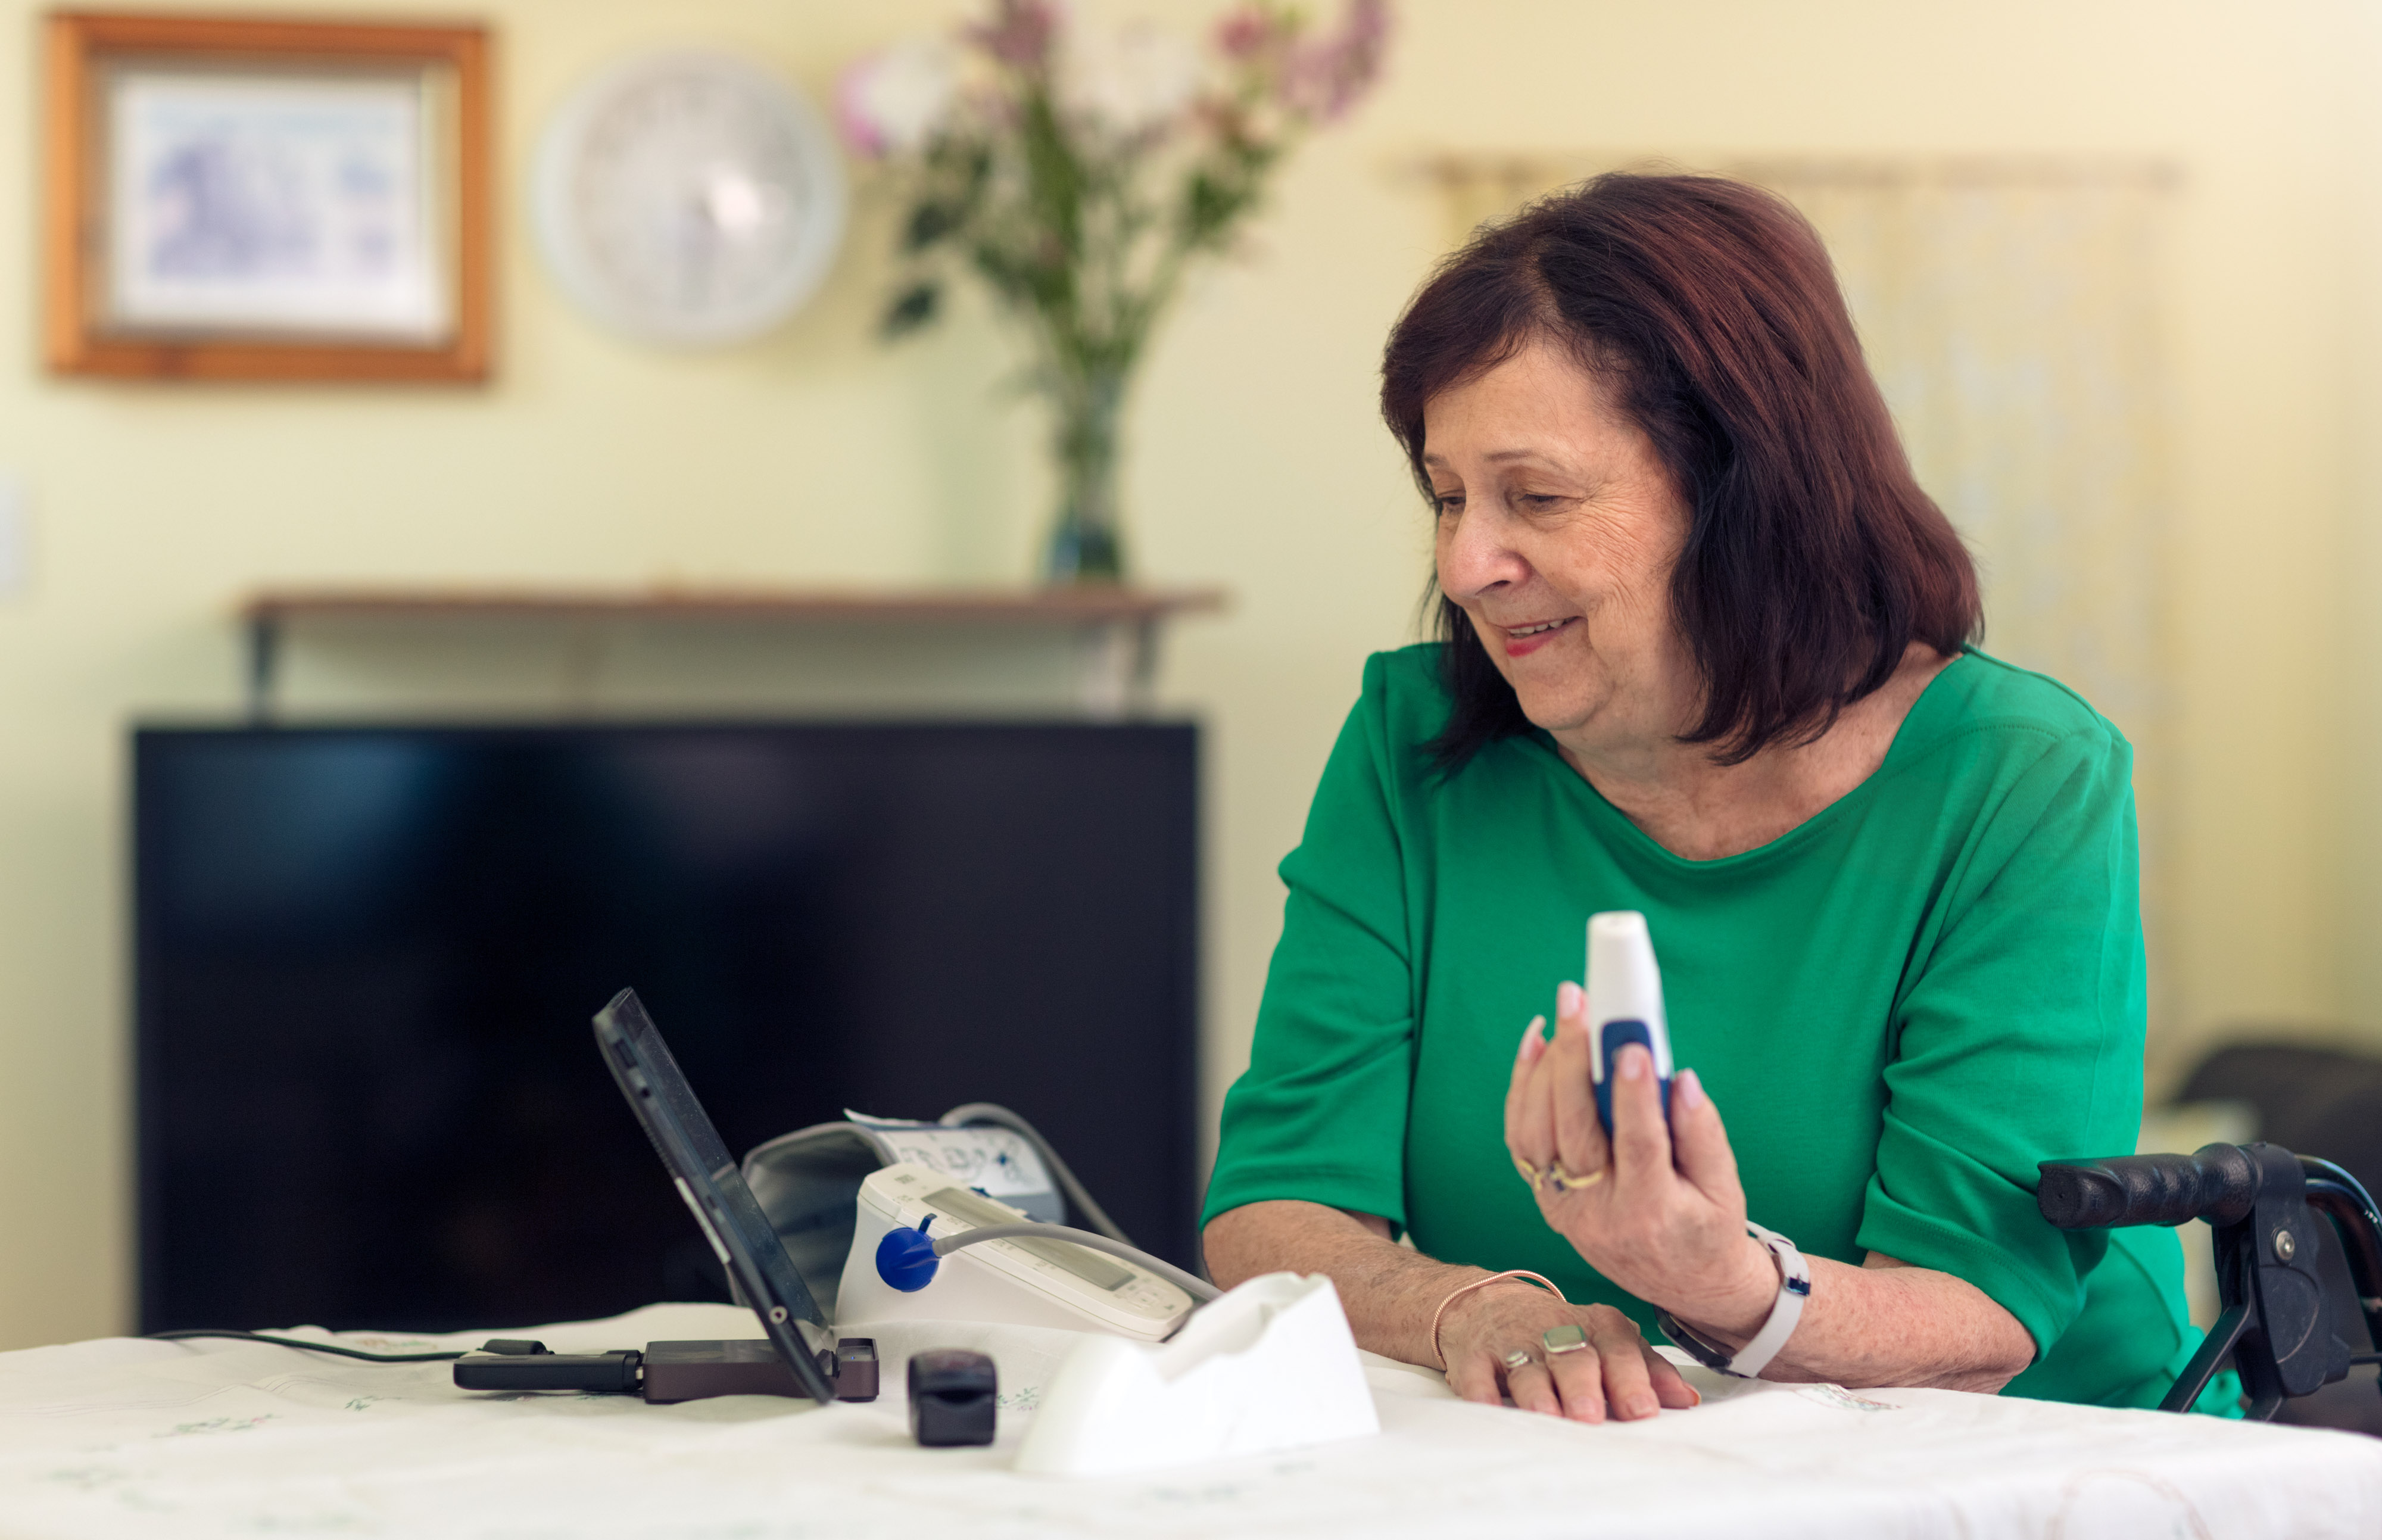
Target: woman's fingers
[1529,1127]
[1532,1388]
[1671,1387]
[1613,1341]
[1475,1379]
[1704,1156]
[1613,1376]
[1579,1138]
[1533,1045]
[1641,1143]
[1580,1379]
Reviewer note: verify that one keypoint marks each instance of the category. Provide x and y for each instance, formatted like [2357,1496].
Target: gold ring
[1530,1174]
[1569,1183]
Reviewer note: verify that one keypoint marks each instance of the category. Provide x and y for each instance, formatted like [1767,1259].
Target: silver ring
[1519,1359]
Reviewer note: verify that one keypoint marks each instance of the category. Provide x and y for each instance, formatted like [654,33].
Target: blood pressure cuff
[808,1182]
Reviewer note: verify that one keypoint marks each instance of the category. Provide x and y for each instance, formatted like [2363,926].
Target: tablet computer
[714,1188]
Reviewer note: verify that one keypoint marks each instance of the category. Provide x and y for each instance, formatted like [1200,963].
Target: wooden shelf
[1096,605]
[1120,624]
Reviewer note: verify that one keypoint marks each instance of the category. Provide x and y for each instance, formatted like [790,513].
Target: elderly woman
[1705,655]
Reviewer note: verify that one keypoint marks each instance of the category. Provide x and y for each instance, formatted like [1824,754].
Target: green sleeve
[1321,1112]
[2020,1038]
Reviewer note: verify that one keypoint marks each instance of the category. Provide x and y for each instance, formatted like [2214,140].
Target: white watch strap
[1793,1288]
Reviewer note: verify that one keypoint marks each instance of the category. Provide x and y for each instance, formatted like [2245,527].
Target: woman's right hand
[1618,1374]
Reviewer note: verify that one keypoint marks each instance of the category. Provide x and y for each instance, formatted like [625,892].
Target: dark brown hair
[1812,559]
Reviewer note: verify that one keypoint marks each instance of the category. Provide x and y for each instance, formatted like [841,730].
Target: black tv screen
[367,957]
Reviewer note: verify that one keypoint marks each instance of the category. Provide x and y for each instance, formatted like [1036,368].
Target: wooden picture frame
[259,198]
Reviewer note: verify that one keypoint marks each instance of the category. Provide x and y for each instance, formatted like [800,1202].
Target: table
[126,1437]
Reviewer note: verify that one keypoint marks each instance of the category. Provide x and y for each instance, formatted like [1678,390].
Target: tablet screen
[713,1188]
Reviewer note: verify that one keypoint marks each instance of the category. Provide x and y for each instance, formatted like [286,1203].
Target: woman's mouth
[1521,640]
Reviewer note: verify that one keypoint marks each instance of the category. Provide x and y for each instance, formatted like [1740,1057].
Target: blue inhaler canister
[1625,1004]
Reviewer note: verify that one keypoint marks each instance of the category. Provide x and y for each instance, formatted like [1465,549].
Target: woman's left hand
[1665,1219]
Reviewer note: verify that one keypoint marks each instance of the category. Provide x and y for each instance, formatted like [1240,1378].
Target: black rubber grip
[519,1372]
[2218,1183]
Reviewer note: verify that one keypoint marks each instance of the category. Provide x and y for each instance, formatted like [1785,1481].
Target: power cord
[310,1347]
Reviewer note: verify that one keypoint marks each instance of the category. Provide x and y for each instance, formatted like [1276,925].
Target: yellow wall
[816,456]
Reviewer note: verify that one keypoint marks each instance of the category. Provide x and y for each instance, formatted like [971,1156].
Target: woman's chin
[1552,712]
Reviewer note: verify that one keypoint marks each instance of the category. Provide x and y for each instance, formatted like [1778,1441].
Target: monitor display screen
[367,958]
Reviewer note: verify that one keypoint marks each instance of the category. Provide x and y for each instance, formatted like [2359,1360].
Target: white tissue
[1269,1366]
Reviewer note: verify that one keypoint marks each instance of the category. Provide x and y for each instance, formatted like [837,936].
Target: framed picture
[264,200]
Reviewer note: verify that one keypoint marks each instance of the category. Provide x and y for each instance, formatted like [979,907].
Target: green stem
[1085,542]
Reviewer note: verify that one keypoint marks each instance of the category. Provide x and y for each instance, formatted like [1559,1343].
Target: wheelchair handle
[2275,1315]
[2218,1183]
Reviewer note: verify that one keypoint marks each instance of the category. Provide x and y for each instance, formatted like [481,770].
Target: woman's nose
[1476,556]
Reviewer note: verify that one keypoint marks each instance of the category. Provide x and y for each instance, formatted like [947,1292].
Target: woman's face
[1558,528]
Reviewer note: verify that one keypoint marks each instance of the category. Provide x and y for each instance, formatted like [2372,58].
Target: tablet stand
[668,1372]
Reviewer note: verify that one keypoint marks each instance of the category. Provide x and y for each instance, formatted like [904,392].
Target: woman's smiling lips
[1529,637]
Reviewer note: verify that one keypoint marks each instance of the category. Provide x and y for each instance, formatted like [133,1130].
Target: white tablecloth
[128,1437]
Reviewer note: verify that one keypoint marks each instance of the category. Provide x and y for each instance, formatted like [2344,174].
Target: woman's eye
[1538,499]
[1448,502]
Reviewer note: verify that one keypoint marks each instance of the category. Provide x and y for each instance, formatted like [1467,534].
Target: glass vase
[1085,546]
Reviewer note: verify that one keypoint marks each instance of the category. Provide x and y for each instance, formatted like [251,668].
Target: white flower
[892,102]
[1129,79]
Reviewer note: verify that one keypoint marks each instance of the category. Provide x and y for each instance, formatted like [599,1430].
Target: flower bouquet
[1077,170]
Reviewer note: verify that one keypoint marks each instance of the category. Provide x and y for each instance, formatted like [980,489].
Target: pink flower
[1020,34]
[1327,76]
[1133,81]
[852,119]
[892,102]
[1247,33]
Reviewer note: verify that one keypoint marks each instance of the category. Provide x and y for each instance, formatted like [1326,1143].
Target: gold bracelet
[1439,1315]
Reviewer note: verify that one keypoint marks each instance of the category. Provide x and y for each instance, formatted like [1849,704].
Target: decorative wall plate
[689,196]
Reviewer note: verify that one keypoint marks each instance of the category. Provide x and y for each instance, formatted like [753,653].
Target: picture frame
[261,199]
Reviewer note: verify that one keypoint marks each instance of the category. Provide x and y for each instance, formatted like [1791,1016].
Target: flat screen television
[368,957]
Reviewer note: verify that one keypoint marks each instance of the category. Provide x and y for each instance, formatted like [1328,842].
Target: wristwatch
[1747,1363]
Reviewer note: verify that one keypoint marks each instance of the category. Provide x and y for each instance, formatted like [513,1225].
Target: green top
[1898,1006]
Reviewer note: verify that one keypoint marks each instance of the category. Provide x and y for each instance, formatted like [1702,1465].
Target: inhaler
[1625,1004]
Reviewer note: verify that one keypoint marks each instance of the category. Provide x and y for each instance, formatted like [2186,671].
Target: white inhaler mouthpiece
[1624,1003]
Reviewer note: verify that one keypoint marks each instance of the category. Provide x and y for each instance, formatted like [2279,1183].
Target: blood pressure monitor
[1025,1282]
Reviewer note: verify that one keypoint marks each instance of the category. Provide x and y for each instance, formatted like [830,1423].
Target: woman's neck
[1700,810]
